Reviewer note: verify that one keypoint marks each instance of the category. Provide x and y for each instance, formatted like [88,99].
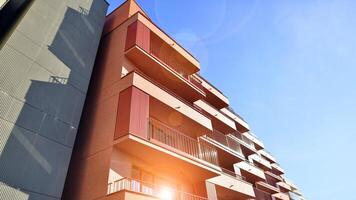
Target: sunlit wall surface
[2,3]
[46,60]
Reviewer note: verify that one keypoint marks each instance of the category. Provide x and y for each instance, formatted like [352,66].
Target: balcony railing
[173,138]
[243,138]
[252,164]
[156,191]
[232,174]
[224,140]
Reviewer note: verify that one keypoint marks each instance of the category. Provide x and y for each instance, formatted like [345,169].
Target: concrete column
[211,190]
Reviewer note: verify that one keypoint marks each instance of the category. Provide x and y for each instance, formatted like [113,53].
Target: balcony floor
[162,157]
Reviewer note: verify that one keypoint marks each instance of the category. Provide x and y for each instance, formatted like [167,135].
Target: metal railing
[160,192]
[243,138]
[249,162]
[232,174]
[174,138]
[224,140]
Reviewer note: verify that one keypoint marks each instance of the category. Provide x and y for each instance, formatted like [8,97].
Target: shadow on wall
[36,151]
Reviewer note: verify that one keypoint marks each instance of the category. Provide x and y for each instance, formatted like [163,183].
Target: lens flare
[165,194]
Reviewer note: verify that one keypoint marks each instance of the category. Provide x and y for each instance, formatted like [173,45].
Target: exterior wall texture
[45,67]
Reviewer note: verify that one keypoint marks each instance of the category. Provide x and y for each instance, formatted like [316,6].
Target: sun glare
[166,194]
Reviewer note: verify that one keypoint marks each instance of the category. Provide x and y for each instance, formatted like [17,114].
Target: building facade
[47,52]
[153,128]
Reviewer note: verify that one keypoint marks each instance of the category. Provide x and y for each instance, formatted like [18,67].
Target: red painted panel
[138,34]
[123,113]
[133,113]
[131,35]
[139,113]
[143,36]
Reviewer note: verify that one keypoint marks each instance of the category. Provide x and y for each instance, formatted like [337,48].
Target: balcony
[129,189]
[227,142]
[241,125]
[267,187]
[281,196]
[164,135]
[165,96]
[220,121]
[196,159]
[279,178]
[214,96]
[295,196]
[267,155]
[250,171]
[277,169]
[262,195]
[284,185]
[229,151]
[247,146]
[291,184]
[159,57]
[258,143]
[261,162]
[230,186]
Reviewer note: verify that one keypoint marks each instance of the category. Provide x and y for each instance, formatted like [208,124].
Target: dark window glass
[10,14]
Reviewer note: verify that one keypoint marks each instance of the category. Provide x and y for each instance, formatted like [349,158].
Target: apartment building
[153,128]
[47,52]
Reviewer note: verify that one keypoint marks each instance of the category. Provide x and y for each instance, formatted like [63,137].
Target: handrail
[252,164]
[180,141]
[226,141]
[242,138]
[150,189]
[233,174]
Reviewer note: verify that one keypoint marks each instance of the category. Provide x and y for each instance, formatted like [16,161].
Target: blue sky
[289,68]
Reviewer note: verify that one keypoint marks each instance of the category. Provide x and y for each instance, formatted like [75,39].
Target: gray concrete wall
[45,68]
